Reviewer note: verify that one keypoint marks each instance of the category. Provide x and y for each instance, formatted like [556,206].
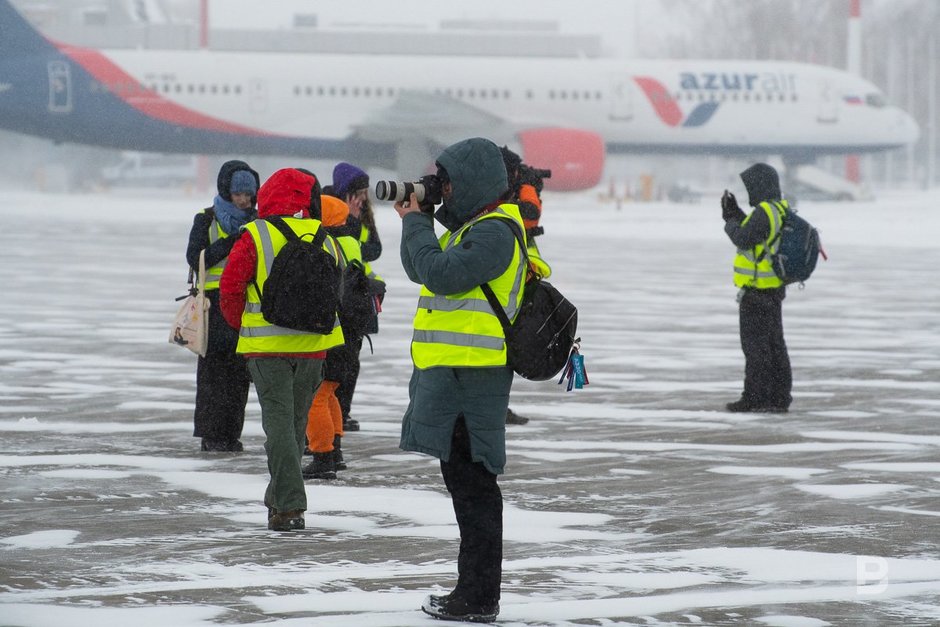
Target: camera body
[428,190]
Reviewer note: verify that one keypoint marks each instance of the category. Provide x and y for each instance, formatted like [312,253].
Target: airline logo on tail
[668,109]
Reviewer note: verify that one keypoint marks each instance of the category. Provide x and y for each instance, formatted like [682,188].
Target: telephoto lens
[394,191]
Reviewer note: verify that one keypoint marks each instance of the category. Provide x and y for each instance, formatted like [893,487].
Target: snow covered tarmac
[637,500]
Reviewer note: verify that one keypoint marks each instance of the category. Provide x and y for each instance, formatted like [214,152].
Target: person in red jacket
[285,364]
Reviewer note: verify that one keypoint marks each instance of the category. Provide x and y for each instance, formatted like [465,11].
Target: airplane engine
[575,157]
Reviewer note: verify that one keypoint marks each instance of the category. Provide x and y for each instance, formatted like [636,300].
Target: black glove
[729,207]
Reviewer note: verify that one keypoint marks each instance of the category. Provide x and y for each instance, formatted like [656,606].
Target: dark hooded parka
[481,395]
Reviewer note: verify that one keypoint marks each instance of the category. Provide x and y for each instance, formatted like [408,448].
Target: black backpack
[539,342]
[798,251]
[302,291]
[357,311]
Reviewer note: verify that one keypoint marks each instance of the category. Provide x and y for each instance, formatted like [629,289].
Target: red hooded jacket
[286,193]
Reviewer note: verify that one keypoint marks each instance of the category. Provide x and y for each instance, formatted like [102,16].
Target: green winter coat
[437,396]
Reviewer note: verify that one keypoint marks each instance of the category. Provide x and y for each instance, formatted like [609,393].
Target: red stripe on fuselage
[666,108]
[148,102]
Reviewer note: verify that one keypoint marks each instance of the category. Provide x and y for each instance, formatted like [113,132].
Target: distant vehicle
[812,183]
[137,169]
[683,192]
[396,111]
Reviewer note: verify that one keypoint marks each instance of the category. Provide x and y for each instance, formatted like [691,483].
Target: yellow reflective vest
[257,335]
[461,330]
[214,274]
[752,267]
[364,235]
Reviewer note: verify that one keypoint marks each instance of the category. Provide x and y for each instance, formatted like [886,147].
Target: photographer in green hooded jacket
[459,389]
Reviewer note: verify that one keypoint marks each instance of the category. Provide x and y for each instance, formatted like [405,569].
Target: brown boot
[286,521]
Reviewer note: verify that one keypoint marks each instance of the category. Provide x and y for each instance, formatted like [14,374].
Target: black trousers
[342,366]
[768,379]
[478,506]
[222,383]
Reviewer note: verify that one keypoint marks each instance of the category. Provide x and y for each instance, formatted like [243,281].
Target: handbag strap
[202,270]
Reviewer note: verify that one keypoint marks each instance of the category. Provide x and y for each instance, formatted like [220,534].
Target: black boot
[453,607]
[322,467]
[512,418]
[338,462]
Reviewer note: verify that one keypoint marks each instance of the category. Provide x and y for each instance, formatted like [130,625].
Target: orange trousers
[325,418]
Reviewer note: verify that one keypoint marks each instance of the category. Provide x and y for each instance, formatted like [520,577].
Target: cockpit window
[875,100]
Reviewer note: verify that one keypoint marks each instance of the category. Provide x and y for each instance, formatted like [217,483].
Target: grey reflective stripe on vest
[272,329]
[267,248]
[754,272]
[458,339]
[441,303]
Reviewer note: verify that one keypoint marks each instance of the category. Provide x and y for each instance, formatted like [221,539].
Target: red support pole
[204,24]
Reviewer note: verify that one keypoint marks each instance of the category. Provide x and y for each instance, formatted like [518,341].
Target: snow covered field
[636,501]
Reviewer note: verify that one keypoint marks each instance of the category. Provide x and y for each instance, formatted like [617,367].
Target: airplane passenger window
[378,91]
[471,93]
[225,89]
[574,95]
[214,89]
[794,98]
[781,98]
[178,88]
[332,91]
[494,93]
[296,90]
[528,94]
[202,89]
[342,91]
[367,91]
[308,90]
[355,92]
[238,89]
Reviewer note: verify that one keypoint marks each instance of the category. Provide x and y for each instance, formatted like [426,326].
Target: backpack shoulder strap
[278,223]
[488,291]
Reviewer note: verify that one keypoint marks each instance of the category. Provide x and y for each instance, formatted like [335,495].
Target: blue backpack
[798,250]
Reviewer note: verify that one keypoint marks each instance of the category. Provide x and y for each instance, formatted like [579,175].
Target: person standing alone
[222,379]
[768,379]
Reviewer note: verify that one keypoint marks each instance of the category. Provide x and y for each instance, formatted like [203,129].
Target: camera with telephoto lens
[427,190]
[532,176]
[539,172]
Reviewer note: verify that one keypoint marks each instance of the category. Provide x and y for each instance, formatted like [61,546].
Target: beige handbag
[191,327]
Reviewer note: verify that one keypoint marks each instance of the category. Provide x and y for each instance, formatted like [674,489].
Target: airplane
[396,112]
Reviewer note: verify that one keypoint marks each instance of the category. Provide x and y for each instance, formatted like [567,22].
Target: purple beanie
[347,179]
